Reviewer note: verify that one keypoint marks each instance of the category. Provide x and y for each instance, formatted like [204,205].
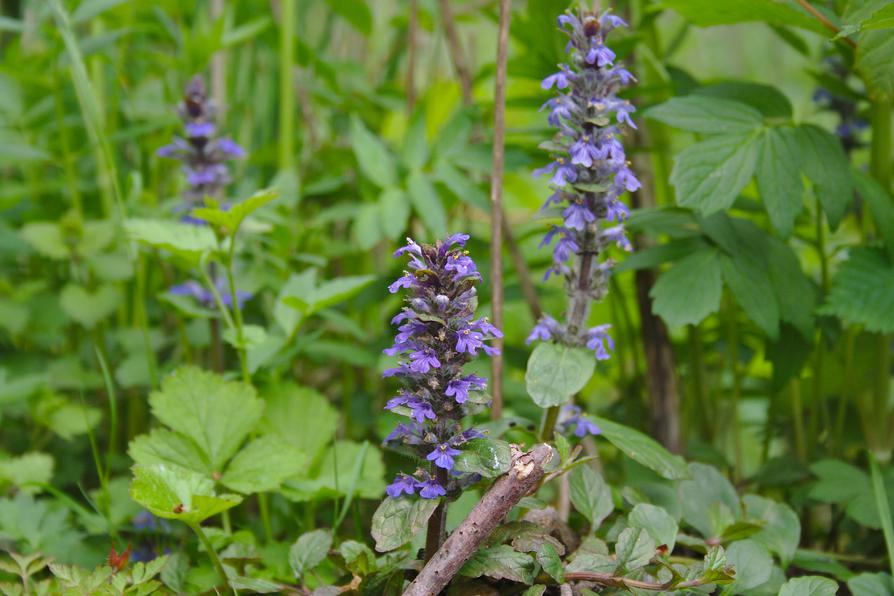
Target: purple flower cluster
[589,173]
[437,335]
[202,152]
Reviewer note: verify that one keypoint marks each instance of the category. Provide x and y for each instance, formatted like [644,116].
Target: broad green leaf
[779,177]
[880,204]
[262,465]
[374,158]
[634,549]
[709,175]
[66,418]
[327,293]
[89,307]
[367,230]
[716,567]
[863,291]
[550,561]
[700,275]
[657,522]
[643,449]
[871,584]
[172,492]
[750,283]
[359,558]
[794,291]
[187,241]
[162,446]
[47,239]
[810,585]
[24,470]
[781,531]
[500,562]
[393,211]
[334,476]
[590,495]
[216,414]
[768,100]
[231,217]
[708,115]
[823,161]
[706,13]
[355,12]
[309,551]
[299,284]
[414,152]
[593,562]
[485,456]
[556,372]
[752,562]
[708,500]
[462,186]
[301,417]
[427,203]
[396,521]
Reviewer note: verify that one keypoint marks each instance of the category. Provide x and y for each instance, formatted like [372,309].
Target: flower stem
[218,566]
[237,313]
[437,523]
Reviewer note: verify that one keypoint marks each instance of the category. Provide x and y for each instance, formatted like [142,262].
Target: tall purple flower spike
[589,173]
[202,152]
[437,335]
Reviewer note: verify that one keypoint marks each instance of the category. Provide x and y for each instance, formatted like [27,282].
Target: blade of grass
[352,487]
[884,507]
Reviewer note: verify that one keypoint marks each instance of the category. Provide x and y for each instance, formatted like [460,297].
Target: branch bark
[524,475]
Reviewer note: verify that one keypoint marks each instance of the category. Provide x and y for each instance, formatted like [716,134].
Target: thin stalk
[68,159]
[733,341]
[699,388]
[496,204]
[884,507]
[850,343]
[286,86]
[437,524]
[215,561]
[237,313]
[797,419]
[548,426]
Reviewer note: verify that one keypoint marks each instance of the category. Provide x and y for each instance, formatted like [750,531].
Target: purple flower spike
[597,339]
[443,455]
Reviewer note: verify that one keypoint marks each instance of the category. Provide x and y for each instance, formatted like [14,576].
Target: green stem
[883,505]
[850,342]
[548,427]
[286,86]
[733,341]
[237,312]
[798,420]
[218,566]
[699,388]
[819,398]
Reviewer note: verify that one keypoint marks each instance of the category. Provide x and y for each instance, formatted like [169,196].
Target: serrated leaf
[550,561]
[231,217]
[188,242]
[500,562]
[811,585]
[634,549]
[555,372]
[301,417]
[309,551]
[657,522]
[710,175]
[708,115]
[778,176]
[643,449]
[165,446]
[201,405]
[487,457]
[27,469]
[823,161]
[590,495]
[262,465]
[172,492]
[700,274]
[863,291]
[396,521]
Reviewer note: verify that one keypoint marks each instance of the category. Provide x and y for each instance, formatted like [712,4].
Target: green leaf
[24,470]
[823,161]
[634,549]
[414,153]
[396,521]
[709,501]
[163,446]
[374,158]
[863,291]
[485,456]
[232,217]
[880,204]
[706,13]
[201,405]
[500,562]
[779,177]
[811,585]
[427,203]
[358,557]
[657,522]
[871,584]
[47,239]
[709,115]
[700,275]
[556,372]
[172,492]
[367,230]
[643,449]
[781,531]
[709,175]
[462,186]
[301,417]
[186,241]
[750,283]
[536,590]
[550,561]
[86,307]
[752,562]
[393,211]
[263,465]
[768,100]
[315,298]
[309,551]
[590,495]
[875,46]
[794,291]
[355,12]
[334,476]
